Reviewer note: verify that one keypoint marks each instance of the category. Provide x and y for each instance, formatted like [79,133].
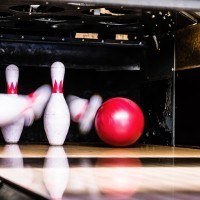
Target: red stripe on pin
[12,89]
[57,88]
[77,117]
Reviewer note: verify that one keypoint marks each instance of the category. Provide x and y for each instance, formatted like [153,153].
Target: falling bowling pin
[86,121]
[77,107]
[57,116]
[12,132]
[23,106]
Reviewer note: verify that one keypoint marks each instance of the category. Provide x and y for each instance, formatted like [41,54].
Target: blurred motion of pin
[77,107]
[12,108]
[12,132]
[40,98]
[57,116]
[15,107]
[56,172]
[86,121]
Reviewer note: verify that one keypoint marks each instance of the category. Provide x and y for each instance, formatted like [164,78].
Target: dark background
[139,68]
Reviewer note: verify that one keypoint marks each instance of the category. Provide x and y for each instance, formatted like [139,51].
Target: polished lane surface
[91,172]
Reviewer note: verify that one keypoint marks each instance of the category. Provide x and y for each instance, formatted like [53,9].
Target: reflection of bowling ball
[119,122]
[118,177]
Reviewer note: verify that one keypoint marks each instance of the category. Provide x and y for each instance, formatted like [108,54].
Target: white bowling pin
[77,107]
[57,116]
[56,172]
[15,107]
[12,132]
[86,121]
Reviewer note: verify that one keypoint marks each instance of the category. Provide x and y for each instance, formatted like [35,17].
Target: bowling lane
[89,172]
[91,151]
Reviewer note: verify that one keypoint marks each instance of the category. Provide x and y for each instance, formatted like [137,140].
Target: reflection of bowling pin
[89,181]
[56,116]
[56,172]
[77,107]
[87,119]
[82,180]
[12,132]
[12,157]
[12,161]
[16,107]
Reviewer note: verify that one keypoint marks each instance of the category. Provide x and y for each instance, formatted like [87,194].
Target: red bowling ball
[119,122]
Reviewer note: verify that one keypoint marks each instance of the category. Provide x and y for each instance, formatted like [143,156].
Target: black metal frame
[173,4]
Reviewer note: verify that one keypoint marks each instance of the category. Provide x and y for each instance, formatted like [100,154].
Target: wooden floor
[89,172]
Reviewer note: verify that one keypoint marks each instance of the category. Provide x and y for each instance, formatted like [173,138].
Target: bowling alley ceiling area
[98,25]
[71,30]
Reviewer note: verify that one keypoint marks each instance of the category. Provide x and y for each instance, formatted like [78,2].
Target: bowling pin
[23,106]
[12,132]
[56,171]
[57,116]
[77,107]
[40,98]
[86,121]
